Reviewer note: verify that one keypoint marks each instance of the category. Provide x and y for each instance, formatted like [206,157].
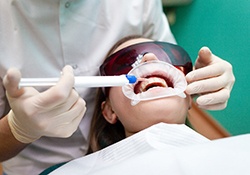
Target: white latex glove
[212,78]
[56,112]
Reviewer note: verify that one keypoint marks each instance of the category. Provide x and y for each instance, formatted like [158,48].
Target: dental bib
[151,68]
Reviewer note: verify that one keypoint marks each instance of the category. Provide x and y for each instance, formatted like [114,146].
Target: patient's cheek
[118,99]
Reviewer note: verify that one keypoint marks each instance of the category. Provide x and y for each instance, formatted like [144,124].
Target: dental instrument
[156,68]
[82,81]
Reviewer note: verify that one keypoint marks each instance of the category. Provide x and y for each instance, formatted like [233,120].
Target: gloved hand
[212,78]
[56,112]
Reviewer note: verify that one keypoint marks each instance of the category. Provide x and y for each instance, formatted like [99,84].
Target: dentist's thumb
[11,81]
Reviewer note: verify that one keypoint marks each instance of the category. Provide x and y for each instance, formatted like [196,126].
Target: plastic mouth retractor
[151,68]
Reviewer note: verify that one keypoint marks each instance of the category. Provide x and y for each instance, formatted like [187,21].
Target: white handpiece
[82,81]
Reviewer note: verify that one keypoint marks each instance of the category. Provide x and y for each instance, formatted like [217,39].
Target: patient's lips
[152,81]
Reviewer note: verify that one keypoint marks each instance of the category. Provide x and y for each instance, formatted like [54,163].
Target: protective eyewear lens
[122,61]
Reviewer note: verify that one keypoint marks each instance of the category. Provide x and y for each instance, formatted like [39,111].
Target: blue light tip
[131,78]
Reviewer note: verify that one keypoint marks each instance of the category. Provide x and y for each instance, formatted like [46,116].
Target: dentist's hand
[212,78]
[56,112]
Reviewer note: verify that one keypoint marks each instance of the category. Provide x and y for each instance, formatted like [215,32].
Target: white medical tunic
[40,37]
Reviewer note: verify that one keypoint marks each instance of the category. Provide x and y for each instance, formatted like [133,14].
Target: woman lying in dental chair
[140,129]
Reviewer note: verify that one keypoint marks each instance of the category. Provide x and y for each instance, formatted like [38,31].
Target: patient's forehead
[131,42]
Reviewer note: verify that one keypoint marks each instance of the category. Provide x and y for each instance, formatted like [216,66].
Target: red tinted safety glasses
[121,62]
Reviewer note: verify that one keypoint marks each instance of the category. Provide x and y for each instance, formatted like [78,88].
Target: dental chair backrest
[205,124]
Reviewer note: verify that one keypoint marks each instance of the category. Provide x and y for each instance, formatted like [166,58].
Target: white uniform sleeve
[156,25]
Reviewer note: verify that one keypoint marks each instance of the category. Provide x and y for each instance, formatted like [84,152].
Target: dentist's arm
[56,112]
[9,146]
[212,79]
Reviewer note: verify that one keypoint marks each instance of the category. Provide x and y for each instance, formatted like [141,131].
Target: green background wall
[223,26]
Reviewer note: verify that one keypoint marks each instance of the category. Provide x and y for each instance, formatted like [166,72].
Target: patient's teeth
[152,82]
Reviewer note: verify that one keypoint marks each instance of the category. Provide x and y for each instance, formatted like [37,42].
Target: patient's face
[146,113]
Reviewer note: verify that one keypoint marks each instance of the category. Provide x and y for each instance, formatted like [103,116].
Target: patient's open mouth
[152,81]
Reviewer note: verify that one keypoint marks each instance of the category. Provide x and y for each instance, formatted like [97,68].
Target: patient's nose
[149,57]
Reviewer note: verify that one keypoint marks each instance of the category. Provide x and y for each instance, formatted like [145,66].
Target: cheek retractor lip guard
[154,73]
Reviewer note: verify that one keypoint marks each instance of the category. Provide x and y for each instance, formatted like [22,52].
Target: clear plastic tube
[82,81]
